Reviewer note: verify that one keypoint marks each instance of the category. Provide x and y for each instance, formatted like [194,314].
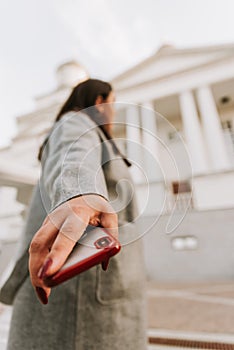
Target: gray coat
[97,309]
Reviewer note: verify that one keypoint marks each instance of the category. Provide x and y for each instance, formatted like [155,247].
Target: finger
[69,234]
[110,222]
[43,238]
[39,249]
[43,294]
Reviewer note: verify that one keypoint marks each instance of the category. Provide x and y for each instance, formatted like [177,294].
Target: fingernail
[43,270]
[105,264]
[42,295]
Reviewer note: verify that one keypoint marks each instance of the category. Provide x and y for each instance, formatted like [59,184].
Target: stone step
[6,311]
[5,317]
[3,344]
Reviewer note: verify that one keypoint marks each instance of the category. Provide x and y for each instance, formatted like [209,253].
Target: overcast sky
[106,36]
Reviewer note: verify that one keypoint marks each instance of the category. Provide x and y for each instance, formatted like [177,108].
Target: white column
[212,129]
[150,141]
[134,143]
[193,133]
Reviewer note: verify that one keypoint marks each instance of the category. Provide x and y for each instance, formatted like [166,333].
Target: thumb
[110,222]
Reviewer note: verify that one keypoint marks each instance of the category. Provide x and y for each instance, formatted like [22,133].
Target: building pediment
[169,61]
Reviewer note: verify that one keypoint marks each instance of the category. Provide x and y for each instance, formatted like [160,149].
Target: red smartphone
[94,247]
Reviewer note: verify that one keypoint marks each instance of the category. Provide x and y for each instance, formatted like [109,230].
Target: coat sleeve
[72,160]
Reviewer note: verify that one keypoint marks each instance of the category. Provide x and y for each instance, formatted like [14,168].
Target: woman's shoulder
[73,125]
[79,119]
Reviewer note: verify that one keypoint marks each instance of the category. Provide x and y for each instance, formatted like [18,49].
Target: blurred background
[171,63]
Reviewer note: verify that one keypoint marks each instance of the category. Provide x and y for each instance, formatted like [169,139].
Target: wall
[214,191]
[212,260]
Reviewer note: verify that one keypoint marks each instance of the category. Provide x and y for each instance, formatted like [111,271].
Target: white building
[19,167]
[194,90]
[175,121]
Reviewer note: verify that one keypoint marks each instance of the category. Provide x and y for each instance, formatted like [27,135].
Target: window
[181,187]
[184,243]
[227,124]
[174,135]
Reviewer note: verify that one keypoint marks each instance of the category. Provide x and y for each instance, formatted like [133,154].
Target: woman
[79,186]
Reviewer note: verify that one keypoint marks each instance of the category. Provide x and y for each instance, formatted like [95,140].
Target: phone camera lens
[103,242]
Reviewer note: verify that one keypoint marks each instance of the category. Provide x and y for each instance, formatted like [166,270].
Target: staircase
[5,316]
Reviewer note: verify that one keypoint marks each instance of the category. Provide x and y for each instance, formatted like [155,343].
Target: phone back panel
[94,247]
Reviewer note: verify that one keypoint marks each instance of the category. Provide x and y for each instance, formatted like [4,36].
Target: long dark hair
[82,97]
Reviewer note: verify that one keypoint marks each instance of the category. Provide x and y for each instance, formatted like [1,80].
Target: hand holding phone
[94,247]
